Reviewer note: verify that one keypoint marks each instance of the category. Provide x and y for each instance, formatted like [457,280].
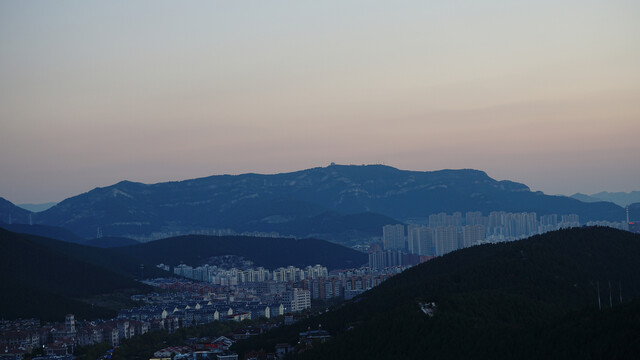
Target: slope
[267,252]
[41,281]
[491,300]
[51,232]
[274,202]
[111,242]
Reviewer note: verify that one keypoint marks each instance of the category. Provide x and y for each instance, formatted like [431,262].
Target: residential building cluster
[60,339]
[621,225]
[290,286]
[218,295]
[188,305]
[444,233]
[234,276]
[201,348]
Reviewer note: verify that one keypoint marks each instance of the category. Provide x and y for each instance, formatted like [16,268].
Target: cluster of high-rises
[291,286]
[445,233]
[234,276]
[428,241]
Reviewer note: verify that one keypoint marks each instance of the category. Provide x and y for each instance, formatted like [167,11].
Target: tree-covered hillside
[47,279]
[524,299]
[267,252]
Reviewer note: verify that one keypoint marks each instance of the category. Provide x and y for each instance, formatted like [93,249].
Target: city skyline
[542,93]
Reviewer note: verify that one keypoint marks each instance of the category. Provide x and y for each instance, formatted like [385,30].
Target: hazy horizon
[539,92]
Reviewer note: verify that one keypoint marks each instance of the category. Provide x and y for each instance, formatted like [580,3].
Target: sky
[546,93]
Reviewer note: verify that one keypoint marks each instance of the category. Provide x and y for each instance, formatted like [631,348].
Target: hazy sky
[542,92]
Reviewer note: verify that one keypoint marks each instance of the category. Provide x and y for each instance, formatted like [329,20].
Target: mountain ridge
[619,198]
[251,202]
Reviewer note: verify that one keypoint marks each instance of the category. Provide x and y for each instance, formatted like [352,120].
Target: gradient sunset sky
[542,92]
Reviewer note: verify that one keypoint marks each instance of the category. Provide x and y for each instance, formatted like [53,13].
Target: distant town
[199,295]
[443,233]
[234,290]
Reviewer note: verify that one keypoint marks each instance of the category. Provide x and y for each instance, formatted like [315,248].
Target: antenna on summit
[627,217]
[30,219]
[599,303]
[610,301]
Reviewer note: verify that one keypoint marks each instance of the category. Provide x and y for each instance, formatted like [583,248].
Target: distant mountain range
[618,198]
[37,207]
[531,299]
[317,202]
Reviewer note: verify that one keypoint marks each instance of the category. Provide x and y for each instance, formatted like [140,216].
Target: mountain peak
[253,202]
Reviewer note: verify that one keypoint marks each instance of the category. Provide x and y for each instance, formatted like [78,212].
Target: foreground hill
[62,234]
[111,242]
[51,232]
[535,298]
[47,279]
[267,252]
[280,202]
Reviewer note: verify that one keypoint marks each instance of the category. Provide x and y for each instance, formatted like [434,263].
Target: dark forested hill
[47,279]
[267,252]
[535,298]
[281,202]
[111,242]
[51,232]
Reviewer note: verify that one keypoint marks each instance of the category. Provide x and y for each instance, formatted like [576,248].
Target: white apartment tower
[393,237]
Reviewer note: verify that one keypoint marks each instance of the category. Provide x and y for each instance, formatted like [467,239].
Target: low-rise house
[171,351]
[283,349]
[242,334]
[311,337]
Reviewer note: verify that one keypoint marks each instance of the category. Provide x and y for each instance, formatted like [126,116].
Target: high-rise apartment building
[393,237]
[300,299]
[472,235]
[473,218]
[446,239]
[421,241]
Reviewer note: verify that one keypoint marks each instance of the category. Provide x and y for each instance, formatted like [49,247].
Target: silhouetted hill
[106,258]
[524,299]
[278,202]
[267,252]
[46,282]
[52,232]
[111,242]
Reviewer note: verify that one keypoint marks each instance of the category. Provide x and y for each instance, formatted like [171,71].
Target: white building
[300,299]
